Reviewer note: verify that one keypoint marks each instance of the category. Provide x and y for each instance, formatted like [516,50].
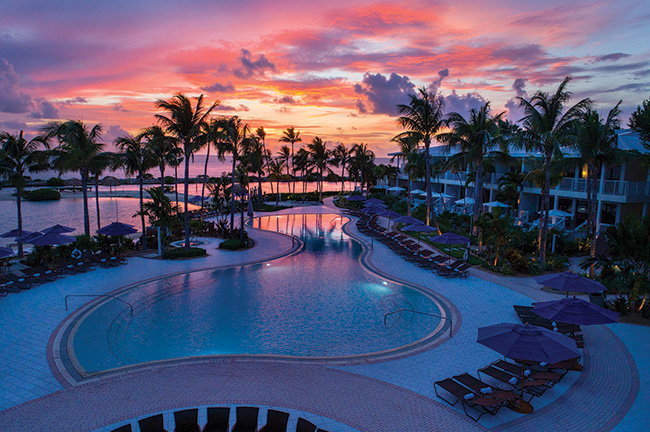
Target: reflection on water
[319,302]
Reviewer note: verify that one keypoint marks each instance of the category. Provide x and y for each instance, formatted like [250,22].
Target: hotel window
[608,214]
[613,172]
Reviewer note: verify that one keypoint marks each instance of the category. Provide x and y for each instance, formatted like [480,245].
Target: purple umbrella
[372,209]
[374,201]
[419,228]
[51,239]
[117,229]
[388,214]
[57,229]
[575,311]
[527,343]
[570,281]
[408,220]
[29,237]
[354,198]
[14,234]
[450,238]
[6,252]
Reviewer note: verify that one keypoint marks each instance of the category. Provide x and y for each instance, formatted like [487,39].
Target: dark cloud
[385,94]
[240,107]
[218,87]
[633,87]
[610,57]
[283,110]
[519,87]
[462,104]
[14,125]
[74,100]
[119,107]
[514,112]
[250,67]
[11,101]
[435,84]
[45,109]
[286,100]
[113,132]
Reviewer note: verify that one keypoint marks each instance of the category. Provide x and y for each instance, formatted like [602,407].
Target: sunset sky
[335,69]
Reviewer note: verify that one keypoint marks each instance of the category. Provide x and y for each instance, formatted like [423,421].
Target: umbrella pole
[521,406]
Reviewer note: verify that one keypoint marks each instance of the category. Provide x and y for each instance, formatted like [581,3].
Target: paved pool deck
[611,393]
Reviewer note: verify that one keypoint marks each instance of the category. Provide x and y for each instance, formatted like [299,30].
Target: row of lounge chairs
[411,251]
[527,316]
[498,385]
[219,421]
[38,275]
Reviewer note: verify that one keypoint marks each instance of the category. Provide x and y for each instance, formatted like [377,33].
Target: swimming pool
[319,303]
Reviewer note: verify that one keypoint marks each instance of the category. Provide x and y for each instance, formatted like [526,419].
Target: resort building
[623,189]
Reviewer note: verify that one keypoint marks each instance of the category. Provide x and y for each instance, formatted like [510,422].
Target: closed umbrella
[249,210]
[570,281]
[57,229]
[14,233]
[6,252]
[575,311]
[527,343]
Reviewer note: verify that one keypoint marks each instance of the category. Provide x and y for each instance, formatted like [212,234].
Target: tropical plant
[546,128]
[136,160]
[292,136]
[79,150]
[510,186]
[274,167]
[342,157]
[408,145]
[17,157]
[362,163]
[186,124]
[97,168]
[301,163]
[476,137]
[162,148]
[423,118]
[255,156]
[640,122]
[160,211]
[320,157]
[495,231]
[286,155]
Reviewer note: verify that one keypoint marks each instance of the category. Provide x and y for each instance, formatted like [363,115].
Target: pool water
[320,302]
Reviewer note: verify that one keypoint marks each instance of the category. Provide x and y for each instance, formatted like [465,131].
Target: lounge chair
[518,370]
[532,387]
[14,285]
[246,419]
[40,274]
[187,420]
[152,424]
[276,421]
[125,428]
[23,282]
[218,419]
[479,387]
[3,290]
[305,425]
[478,402]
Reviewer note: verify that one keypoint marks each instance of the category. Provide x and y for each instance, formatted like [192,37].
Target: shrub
[55,181]
[176,253]
[45,194]
[233,244]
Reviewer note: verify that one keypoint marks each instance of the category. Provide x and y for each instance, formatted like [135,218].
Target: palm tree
[214,133]
[301,162]
[362,162]
[495,230]
[546,129]
[596,141]
[100,164]
[17,156]
[78,150]
[261,154]
[232,141]
[287,159]
[175,161]
[185,123]
[320,157]
[292,136]
[255,160]
[275,167]
[136,160]
[422,118]
[162,148]
[407,146]
[342,157]
[160,210]
[476,138]
[510,186]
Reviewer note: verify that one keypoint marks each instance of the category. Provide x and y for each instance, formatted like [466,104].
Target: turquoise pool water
[317,303]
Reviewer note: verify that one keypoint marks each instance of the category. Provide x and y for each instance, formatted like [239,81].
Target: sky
[335,69]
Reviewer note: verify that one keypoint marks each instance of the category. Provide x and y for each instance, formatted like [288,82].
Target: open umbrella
[6,252]
[570,281]
[575,311]
[450,238]
[527,343]
[14,233]
[465,201]
[374,201]
[57,229]
[51,239]
[417,191]
[28,237]
[493,204]
[354,198]
[408,220]
[558,213]
[372,209]
[388,214]
[195,199]
[117,229]
[396,189]
[419,228]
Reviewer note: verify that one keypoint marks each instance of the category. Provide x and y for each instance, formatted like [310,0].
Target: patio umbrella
[29,237]
[354,198]
[57,229]
[499,204]
[388,214]
[408,220]
[6,252]
[117,229]
[417,191]
[450,238]
[527,343]
[396,189]
[419,228]
[559,213]
[374,201]
[575,311]
[51,239]
[570,281]
[372,209]
[465,201]
[14,233]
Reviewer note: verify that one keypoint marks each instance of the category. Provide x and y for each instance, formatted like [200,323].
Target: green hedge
[175,253]
[233,244]
[45,194]
[55,181]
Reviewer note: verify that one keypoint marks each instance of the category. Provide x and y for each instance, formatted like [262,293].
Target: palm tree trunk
[427,183]
[408,200]
[205,176]
[342,177]
[320,189]
[162,179]
[260,196]
[232,189]
[144,228]
[478,196]
[592,171]
[19,193]
[84,185]
[277,187]
[186,181]
[546,204]
[99,220]
[292,169]
[176,185]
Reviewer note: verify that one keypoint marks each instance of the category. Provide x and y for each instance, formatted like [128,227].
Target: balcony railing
[610,187]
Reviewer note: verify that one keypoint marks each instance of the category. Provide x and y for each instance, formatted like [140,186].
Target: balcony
[610,187]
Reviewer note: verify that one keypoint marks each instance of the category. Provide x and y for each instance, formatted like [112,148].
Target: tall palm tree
[232,141]
[214,133]
[362,162]
[175,161]
[510,186]
[546,128]
[342,157]
[185,123]
[287,158]
[136,160]
[100,164]
[78,150]
[18,156]
[423,118]
[407,146]
[302,164]
[162,148]
[596,141]
[262,154]
[255,160]
[476,138]
[292,136]
[275,167]
[320,157]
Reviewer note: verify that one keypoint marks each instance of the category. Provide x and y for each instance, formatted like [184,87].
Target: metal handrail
[451,322]
[97,295]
